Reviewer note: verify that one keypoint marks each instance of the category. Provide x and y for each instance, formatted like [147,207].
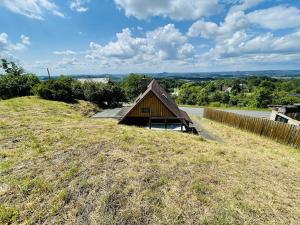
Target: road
[116,113]
[199,111]
[108,113]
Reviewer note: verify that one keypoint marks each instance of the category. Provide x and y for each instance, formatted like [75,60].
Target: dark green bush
[77,90]
[17,85]
[104,95]
[60,89]
[68,89]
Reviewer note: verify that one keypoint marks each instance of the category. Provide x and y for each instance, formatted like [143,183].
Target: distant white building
[104,80]
[286,114]
[229,89]
[176,92]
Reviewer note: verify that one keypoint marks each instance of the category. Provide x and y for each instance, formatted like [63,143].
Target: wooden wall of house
[157,108]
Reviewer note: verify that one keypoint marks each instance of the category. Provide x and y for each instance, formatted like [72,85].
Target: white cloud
[233,22]
[278,17]
[163,43]
[8,46]
[32,8]
[25,40]
[82,33]
[66,52]
[237,44]
[175,9]
[125,47]
[166,41]
[67,62]
[288,43]
[3,40]
[186,51]
[242,44]
[246,4]
[79,5]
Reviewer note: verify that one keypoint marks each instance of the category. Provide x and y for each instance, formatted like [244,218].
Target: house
[286,113]
[229,89]
[156,109]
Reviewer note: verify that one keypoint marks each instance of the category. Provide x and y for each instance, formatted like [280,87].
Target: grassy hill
[58,166]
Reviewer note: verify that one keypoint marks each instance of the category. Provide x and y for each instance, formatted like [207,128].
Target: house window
[146,110]
[281,119]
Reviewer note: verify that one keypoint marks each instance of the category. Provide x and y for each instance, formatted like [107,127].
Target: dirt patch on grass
[85,108]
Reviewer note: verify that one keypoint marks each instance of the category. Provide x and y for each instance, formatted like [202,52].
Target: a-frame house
[155,106]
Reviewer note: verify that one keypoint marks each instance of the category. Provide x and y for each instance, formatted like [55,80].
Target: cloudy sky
[121,36]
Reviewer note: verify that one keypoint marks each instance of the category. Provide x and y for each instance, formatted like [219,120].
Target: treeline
[132,84]
[254,92]
[16,83]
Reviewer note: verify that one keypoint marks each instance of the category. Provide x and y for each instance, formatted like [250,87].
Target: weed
[101,158]
[71,173]
[8,215]
[6,165]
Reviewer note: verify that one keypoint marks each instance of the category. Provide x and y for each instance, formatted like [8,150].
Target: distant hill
[198,75]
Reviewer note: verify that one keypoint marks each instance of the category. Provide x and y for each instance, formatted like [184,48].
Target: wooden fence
[281,132]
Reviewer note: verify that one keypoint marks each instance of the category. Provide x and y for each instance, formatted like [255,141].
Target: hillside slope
[60,167]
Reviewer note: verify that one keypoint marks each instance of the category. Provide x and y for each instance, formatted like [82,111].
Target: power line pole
[48,74]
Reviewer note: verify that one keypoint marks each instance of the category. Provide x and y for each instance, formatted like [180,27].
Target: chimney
[144,84]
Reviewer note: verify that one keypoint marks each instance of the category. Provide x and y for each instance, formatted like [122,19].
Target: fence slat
[281,132]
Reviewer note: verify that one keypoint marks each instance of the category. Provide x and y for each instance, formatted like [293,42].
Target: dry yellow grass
[60,167]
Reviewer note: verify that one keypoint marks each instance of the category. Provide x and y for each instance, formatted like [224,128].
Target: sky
[150,36]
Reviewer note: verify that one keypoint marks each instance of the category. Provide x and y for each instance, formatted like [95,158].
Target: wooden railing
[281,132]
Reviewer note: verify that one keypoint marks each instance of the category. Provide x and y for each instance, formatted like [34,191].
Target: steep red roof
[165,98]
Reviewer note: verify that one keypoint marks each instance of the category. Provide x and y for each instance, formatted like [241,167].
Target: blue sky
[122,36]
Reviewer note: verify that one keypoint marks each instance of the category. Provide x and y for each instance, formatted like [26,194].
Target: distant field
[57,166]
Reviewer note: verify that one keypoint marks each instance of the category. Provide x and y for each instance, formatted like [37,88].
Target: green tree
[284,98]
[267,85]
[11,68]
[133,85]
[203,97]
[215,96]
[15,83]
[104,95]
[225,97]
[262,98]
